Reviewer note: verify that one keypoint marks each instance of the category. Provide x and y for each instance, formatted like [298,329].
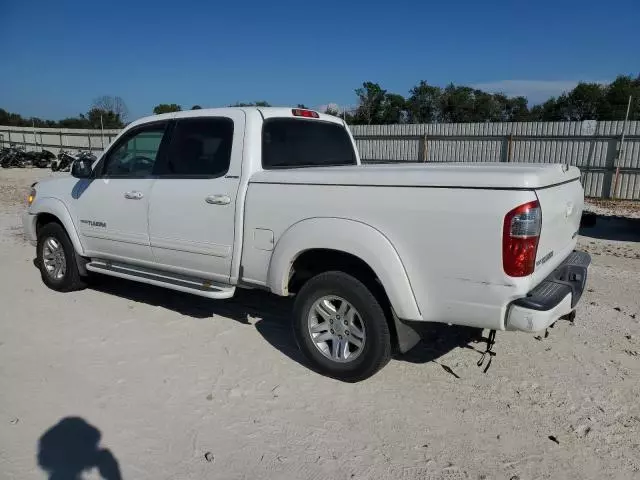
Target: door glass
[136,156]
[200,147]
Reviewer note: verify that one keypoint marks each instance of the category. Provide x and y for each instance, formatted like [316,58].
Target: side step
[182,283]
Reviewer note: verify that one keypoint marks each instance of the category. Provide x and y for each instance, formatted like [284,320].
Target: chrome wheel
[336,328]
[53,258]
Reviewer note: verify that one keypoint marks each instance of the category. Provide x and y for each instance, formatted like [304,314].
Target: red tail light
[299,112]
[520,236]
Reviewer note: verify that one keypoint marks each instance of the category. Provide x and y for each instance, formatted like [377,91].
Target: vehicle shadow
[72,447]
[271,316]
[612,228]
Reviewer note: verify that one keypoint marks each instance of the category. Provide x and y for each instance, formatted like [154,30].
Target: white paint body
[431,233]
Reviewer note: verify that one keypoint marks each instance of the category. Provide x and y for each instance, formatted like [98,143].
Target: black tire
[71,279]
[376,351]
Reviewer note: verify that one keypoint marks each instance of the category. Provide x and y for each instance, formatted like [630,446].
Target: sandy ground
[167,385]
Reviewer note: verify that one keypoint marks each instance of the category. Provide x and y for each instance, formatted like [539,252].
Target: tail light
[520,236]
[299,112]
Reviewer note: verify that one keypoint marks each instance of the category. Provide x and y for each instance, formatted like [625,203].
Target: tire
[53,238]
[369,321]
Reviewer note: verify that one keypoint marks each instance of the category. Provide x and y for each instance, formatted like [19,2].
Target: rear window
[291,142]
[200,147]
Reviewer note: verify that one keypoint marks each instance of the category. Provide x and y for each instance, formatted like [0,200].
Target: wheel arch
[359,241]
[53,210]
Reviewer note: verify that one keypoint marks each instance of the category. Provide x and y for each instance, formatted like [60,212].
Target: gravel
[151,383]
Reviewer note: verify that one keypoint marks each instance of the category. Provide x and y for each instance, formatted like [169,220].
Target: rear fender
[349,236]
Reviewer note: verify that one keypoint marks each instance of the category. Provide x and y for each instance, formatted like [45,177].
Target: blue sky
[58,56]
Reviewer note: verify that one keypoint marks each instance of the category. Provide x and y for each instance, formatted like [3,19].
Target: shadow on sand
[71,447]
[611,228]
[272,318]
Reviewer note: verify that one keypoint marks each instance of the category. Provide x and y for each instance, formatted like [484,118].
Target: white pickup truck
[209,201]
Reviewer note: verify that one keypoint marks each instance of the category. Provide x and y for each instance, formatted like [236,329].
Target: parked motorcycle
[65,160]
[12,157]
[41,159]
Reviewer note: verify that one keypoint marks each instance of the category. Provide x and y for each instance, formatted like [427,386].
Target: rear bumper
[556,296]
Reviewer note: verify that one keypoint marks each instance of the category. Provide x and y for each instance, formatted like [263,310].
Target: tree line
[425,104]
[106,111]
[460,104]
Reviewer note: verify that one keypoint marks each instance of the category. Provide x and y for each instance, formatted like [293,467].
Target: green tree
[487,107]
[515,109]
[457,104]
[370,104]
[97,118]
[166,108]
[394,109]
[617,97]
[584,102]
[196,107]
[110,103]
[423,103]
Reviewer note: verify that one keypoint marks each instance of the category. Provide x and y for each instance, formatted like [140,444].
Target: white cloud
[536,91]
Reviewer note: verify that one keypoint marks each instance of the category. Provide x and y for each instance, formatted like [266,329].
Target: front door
[193,200]
[111,209]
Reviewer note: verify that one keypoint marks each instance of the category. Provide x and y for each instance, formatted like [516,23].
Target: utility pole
[101,132]
[35,139]
[619,153]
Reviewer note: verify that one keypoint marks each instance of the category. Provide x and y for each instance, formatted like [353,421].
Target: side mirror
[82,168]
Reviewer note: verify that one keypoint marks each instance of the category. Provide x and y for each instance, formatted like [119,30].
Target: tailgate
[561,212]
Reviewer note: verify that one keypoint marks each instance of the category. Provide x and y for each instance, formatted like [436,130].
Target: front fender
[58,209]
[349,236]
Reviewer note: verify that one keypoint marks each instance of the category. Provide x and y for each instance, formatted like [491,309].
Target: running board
[182,283]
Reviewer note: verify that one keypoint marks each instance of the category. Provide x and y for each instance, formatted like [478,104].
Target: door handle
[133,195]
[218,199]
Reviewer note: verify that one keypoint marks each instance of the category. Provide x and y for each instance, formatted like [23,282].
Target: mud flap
[407,336]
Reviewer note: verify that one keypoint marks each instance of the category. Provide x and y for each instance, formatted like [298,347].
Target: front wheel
[341,328]
[56,259]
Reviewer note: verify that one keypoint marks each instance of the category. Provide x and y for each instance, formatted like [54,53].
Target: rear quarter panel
[449,240]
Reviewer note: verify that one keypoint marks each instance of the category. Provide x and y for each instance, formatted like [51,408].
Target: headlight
[32,196]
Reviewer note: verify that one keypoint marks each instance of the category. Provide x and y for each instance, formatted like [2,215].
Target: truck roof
[266,112]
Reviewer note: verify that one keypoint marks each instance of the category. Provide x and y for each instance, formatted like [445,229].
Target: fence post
[610,161]
[425,155]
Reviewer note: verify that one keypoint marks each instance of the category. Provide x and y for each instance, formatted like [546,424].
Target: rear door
[111,209]
[193,200]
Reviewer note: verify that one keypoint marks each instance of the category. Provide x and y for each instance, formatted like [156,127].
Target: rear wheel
[341,328]
[56,259]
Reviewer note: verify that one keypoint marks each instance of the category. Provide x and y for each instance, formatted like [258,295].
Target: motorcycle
[41,159]
[12,157]
[65,160]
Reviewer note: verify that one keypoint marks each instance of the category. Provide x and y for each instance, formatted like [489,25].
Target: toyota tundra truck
[209,201]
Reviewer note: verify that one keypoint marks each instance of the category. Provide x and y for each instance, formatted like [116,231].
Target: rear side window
[291,142]
[200,147]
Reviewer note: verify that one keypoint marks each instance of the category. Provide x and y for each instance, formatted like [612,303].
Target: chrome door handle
[133,195]
[218,199]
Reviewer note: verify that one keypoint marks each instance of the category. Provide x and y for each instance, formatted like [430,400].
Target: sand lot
[164,385]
